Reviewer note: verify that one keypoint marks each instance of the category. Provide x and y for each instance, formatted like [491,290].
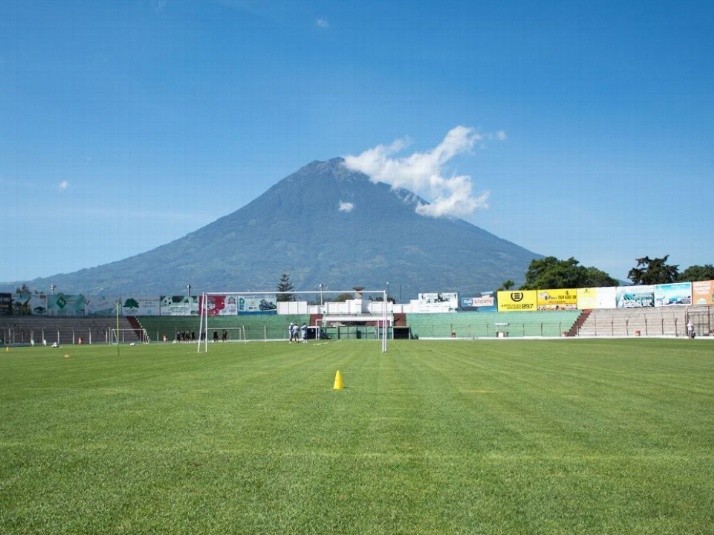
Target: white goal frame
[382,320]
[116,336]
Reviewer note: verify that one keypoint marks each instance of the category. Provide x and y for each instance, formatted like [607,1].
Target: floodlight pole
[385,325]
[203,325]
[118,303]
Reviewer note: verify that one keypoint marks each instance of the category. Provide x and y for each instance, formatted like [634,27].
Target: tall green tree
[550,272]
[697,273]
[653,271]
[285,285]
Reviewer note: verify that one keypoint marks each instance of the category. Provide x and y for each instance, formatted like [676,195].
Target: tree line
[551,272]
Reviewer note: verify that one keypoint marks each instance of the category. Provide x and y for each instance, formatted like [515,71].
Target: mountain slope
[323,225]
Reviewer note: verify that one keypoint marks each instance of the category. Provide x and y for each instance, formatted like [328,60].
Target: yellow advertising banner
[703,293]
[562,299]
[587,298]
[523,300]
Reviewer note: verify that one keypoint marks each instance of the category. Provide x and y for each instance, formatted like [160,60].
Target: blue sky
[127,124]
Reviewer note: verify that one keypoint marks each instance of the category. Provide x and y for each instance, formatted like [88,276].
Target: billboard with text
[565,299]
[220,305]
[100,305]
[140,306]
[635,296]
[677,293]
[522,300]
[589,298]
[703,293]
[258,304]
[5,304]
[482,303]
[178,305]
[65,305]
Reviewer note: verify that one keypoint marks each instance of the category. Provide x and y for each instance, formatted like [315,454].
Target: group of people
[297,333]
[184,336]
[224,336]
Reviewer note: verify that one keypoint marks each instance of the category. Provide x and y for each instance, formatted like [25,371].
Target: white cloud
[346,206]
[63,185]
[322,23]
[423,172]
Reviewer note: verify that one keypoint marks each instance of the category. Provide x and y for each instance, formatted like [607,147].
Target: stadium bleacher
[258,327]
[669,321]
[62,329]
[492,324]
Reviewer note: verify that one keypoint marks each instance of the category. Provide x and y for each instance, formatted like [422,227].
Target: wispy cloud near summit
[423,172]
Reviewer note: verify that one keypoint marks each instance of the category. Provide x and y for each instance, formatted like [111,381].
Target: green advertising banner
[65,305]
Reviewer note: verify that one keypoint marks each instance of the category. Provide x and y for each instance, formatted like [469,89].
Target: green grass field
[560,436]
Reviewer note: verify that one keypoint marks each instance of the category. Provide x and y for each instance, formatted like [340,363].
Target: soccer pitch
[511,436]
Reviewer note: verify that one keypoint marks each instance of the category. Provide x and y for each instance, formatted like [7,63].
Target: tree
[697,273]
[24,289]
[506,285]
[549,272]
[284,285]
[653,271]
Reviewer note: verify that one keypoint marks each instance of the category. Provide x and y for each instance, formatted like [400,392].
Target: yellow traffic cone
[339,385]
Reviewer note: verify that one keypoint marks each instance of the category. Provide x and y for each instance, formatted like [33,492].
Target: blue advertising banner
[635,296]
[257,304]
[483,303]
[677,293]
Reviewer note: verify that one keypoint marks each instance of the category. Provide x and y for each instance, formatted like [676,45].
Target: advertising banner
[5,304]
[483,303]
[258,304]
[141,306]
[523,300]
[220,305]
[178,305]
[635,296]
[590,298]
[100,305]
[65,305]
[26,304]
[564,299]
[678,293]
[703,293]
[440,297]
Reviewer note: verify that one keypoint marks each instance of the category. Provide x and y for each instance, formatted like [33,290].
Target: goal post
[382,320]
[123,336]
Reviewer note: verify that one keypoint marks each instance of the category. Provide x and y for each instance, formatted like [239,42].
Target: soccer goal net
[128,336]
[365,317]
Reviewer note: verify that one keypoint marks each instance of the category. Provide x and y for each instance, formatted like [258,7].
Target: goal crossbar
[117,336]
